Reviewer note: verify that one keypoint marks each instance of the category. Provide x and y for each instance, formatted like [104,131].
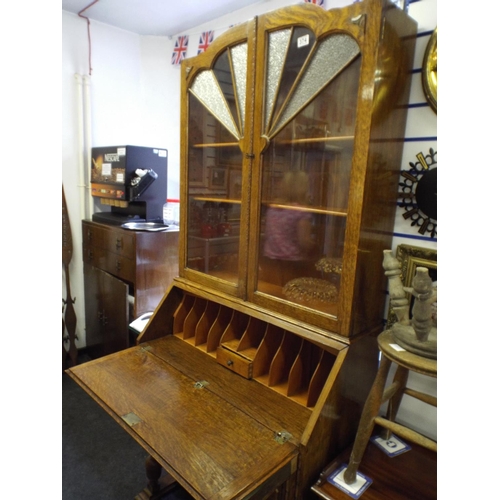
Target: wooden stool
[406,361]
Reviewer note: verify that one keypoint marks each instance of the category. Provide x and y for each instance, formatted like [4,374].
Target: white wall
[421,123]
[135,100]
[160,102]
[115,115]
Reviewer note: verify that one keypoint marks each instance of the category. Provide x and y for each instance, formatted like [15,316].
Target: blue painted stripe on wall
[415,237]
[419,139]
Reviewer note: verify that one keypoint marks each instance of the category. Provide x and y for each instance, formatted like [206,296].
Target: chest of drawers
[126,273]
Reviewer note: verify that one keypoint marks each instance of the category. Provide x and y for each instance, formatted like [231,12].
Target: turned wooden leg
[153,473]
[401,378]
[159,482]
[370,411]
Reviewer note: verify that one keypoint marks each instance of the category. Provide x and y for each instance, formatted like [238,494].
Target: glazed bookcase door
[296,119]
[216,118]
[307,95]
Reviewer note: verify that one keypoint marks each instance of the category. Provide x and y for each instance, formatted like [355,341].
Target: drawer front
[114,264]
[112,239]
[235,362]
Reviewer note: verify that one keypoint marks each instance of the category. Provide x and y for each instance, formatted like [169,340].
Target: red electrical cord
[88,32]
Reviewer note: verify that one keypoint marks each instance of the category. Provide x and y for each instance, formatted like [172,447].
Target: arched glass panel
[239,56]
[306,172]
[301,44]
[207,89]
[216,124]
[223,75]
[329,57]
[278,46]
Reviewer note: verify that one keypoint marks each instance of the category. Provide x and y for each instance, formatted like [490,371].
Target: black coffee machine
[129,183]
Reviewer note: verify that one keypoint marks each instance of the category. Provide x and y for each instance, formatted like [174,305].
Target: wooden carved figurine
[69,320]
[418,334]
[422,308]
[399,300]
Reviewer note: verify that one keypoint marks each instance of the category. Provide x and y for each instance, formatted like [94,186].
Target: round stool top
[413,362]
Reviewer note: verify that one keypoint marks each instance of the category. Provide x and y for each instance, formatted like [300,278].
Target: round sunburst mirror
[430,71]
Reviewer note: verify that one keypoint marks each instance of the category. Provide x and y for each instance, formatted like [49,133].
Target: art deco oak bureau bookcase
[254,368]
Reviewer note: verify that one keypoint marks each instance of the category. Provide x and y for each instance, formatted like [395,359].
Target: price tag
[354,490]
[303,41]
[397,347]
[391,447]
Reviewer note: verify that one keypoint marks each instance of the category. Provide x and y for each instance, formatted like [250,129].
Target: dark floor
[100,461]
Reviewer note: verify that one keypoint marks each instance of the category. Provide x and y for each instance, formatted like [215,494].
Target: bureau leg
[158,485]
[153,473]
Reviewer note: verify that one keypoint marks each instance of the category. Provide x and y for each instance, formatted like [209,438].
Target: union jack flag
[180,49]
[206,38]
[319,3]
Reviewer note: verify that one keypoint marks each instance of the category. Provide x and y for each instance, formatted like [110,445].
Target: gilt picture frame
[429,71]
[410,258]
[218,178]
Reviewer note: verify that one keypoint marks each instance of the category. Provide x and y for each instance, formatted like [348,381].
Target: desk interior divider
[279,359]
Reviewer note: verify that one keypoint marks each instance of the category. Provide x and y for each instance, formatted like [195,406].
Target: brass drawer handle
[230,362]
[118,265]
[119,243]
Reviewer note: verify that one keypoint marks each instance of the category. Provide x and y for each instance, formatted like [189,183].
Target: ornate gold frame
[429,72]
[412,257]
[218,178]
